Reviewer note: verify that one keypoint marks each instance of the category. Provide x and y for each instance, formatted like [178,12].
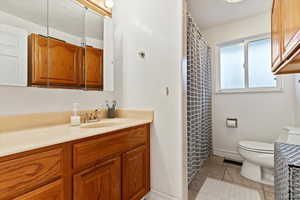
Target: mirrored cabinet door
[55,44]
[93,56]
[65,39]
[18,20]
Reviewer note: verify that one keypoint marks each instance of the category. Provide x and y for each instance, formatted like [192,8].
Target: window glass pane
[232,66]
[259,64]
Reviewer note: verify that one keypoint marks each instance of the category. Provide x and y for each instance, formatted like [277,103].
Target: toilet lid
[257,146]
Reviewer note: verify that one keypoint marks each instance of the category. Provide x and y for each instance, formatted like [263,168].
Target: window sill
[249,90]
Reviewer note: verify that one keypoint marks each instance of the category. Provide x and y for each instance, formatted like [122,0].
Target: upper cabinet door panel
[53,62]
[38,59]
[63,63]
[94,67]
[276,35]
[291,25]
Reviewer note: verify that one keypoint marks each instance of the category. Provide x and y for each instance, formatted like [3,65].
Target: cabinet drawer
[91,151]
[22,174]
[52,191]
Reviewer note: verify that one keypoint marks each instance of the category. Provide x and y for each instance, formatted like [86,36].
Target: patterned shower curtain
[199,99]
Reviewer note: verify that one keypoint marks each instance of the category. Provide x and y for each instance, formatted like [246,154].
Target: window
[246,66]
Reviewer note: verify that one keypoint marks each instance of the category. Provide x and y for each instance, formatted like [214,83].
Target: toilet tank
[291,136]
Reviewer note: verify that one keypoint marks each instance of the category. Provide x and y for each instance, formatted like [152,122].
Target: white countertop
[25,140]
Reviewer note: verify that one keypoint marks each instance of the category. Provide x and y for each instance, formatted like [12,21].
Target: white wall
[22,100]
[260,115]
[297,99]
[155,27]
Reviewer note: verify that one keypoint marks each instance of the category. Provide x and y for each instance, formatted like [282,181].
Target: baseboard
[228,154]
[155,195]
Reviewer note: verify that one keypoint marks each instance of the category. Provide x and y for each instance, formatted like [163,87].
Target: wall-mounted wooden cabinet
[112,166]
[286,36]
[56,63]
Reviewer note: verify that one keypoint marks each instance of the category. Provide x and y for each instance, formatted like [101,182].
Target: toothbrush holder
[111,112]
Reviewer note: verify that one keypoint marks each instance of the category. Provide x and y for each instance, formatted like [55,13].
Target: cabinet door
[37,60]
[276,35]
[291,25]
[102,182]
[135,173]
[94,67]
[53,191]
[63,63]
[53,62]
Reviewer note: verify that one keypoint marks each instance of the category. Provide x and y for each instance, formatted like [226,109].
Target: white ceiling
[209,13]
[64,15]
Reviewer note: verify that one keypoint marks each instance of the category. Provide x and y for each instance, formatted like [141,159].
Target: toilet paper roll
[231,123]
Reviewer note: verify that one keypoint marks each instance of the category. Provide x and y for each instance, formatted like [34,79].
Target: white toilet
[258,164]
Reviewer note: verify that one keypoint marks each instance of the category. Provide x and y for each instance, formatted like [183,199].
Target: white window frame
[245,41]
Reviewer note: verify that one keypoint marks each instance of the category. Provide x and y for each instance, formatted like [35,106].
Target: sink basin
[101,125]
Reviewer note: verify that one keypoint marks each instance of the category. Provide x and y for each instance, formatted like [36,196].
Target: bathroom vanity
[108,160]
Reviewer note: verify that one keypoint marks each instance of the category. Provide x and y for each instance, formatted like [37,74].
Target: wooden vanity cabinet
[112,166]
[286,36]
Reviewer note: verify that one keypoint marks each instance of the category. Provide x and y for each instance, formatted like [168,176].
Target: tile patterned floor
[215,168]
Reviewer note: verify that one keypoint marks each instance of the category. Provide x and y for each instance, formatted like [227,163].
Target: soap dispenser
[75,118]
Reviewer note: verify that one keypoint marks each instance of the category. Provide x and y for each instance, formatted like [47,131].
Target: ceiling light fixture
[109,3]
[234,1]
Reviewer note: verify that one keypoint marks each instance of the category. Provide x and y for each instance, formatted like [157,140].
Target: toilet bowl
[258,164]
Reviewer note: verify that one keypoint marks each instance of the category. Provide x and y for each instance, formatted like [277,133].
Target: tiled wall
[199,99]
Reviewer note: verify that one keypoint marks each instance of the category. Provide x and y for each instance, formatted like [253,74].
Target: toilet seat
[258,147]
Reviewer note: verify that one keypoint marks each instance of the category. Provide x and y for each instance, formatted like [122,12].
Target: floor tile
[269,196]
[214,171]
[197,183]
[216,190]
[215,160]
[233,175]
[215,168]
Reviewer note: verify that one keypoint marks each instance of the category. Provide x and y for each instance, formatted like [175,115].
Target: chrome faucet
[90,116]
